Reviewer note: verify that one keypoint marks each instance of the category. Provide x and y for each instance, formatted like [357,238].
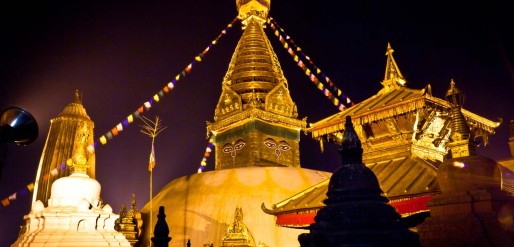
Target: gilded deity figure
[79,159]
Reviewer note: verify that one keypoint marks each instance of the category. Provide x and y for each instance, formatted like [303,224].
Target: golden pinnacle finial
[393,78]
[454,95]
[389,50]
[76,97]
[253,10]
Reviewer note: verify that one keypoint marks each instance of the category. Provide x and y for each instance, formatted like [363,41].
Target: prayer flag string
[115,131]
[207,154]
[332,92]
[30,187]
[159,95]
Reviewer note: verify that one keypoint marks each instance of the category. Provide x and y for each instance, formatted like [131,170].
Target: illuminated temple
[405,137]
[256,133]
[405,133]
[259,195]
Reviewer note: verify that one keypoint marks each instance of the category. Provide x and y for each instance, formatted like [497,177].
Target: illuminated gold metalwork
[130,222]
[405,132]
[255,103]
[70,133]
[253,10]
[399,121]
[237,234]
[79,162]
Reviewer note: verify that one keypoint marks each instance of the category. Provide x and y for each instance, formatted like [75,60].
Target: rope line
[332,92]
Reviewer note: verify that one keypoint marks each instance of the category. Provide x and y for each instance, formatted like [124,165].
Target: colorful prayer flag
[151,163]
[12,197]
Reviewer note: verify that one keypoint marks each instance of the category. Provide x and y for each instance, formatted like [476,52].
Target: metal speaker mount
[17,126]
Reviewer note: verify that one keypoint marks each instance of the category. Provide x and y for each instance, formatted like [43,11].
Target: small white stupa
[75,215]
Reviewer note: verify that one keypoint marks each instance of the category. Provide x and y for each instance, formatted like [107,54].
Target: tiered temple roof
[404,134]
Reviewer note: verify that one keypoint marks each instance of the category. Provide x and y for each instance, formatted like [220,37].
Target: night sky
[120,53]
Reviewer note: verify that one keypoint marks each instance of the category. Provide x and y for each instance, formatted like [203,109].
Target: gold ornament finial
[253,10]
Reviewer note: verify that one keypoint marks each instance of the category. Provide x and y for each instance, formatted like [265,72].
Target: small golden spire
[393,78]
[461,137]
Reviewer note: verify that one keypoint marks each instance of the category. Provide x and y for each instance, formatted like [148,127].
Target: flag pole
[151,129]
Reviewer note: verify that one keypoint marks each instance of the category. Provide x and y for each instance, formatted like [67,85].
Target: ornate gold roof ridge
[415,103]
[256,113]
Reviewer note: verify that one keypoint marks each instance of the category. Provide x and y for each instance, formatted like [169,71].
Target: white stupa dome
[71,190]
[200,207]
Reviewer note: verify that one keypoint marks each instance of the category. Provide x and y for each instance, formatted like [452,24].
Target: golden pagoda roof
[401,177]
[390,104]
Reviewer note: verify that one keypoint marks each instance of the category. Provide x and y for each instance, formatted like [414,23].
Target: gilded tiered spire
[393,78]
[71,132]
[460,136]
[255,118]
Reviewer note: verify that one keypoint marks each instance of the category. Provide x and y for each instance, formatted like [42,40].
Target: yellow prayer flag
[308,72]
[130,118]
[30,187]
[156,98]
[103,140]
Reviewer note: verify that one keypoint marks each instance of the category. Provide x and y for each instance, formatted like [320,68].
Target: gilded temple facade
[255,118]
[405,135]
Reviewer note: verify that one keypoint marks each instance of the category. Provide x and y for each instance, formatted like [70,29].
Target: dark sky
[120,53]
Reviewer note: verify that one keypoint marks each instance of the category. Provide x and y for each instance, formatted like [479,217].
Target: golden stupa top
[254,82]
[74,108]
[253,10]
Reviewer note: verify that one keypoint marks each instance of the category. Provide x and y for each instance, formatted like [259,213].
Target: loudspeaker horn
[17,126]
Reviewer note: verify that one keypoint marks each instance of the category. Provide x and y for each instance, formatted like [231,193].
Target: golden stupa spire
[393,78]
[70,133]
[255,121]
